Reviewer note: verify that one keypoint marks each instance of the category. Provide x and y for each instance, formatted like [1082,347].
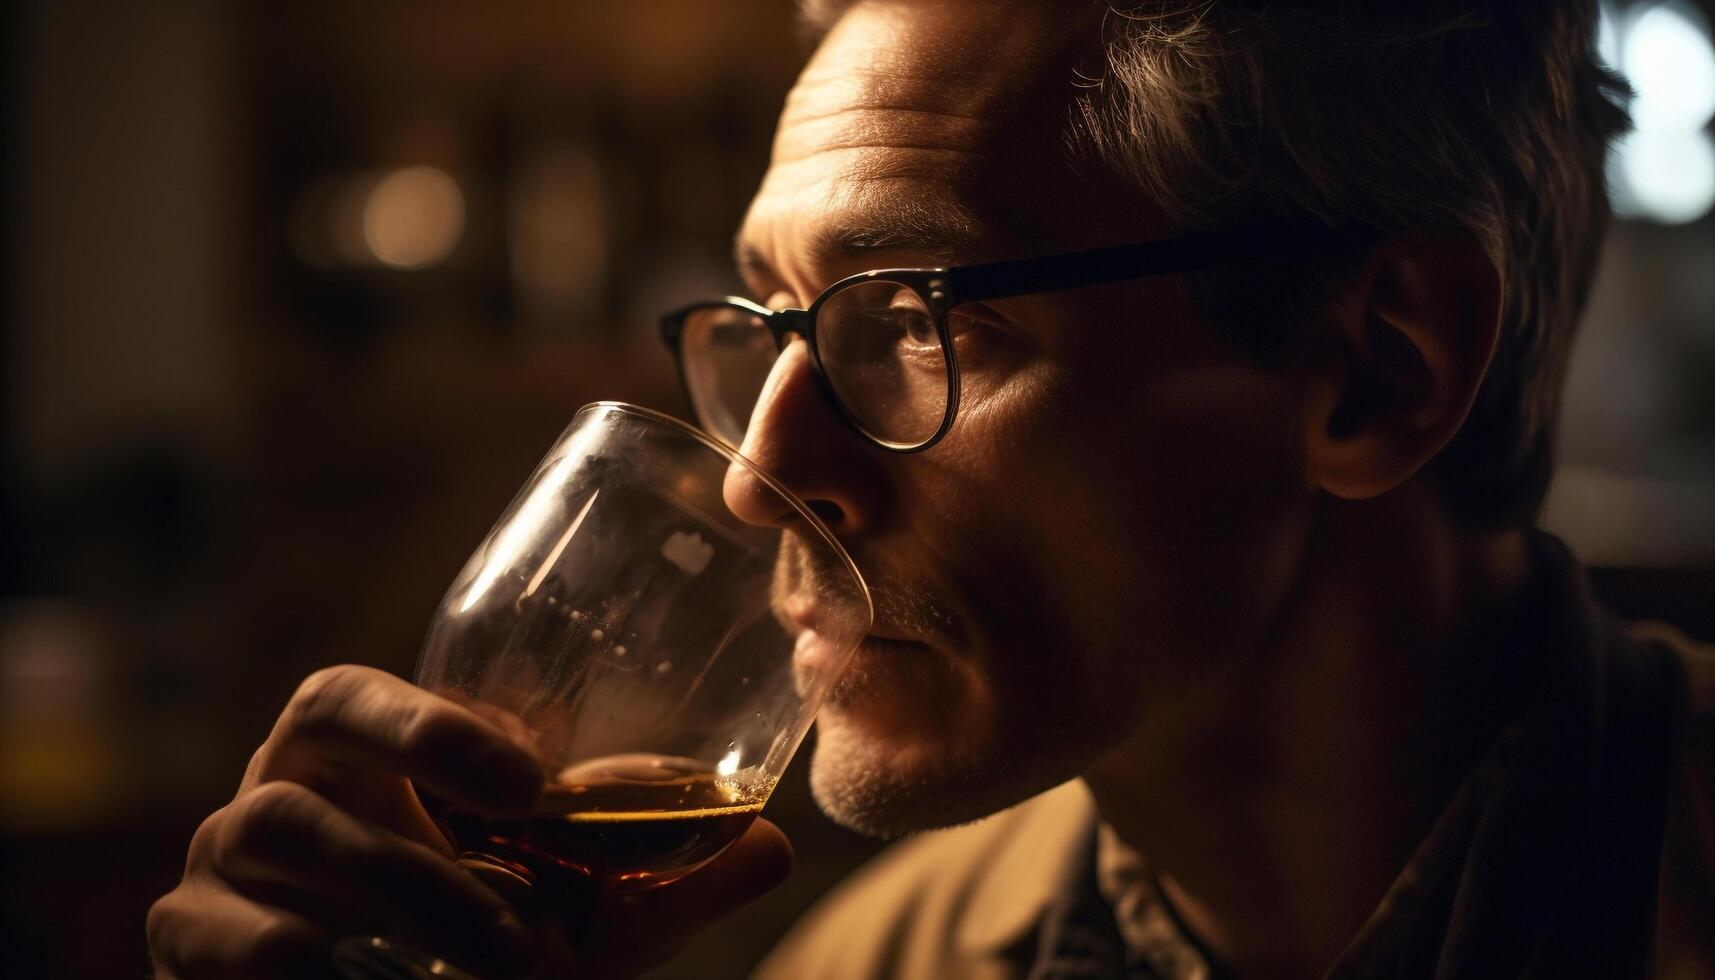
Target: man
[1243,549]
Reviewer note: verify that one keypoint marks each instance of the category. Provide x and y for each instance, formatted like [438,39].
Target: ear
[1407,349]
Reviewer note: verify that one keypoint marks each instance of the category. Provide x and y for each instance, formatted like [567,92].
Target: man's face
[1107,516]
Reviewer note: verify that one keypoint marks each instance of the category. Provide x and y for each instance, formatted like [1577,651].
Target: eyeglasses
[879,341]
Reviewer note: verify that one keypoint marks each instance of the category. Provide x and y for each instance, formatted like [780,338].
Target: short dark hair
[1449,118]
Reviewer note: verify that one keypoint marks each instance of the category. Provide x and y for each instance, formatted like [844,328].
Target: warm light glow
[1669,175]
[1667,57]
[728,764]
[412,218]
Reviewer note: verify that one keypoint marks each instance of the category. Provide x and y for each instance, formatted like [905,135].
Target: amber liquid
[627,822]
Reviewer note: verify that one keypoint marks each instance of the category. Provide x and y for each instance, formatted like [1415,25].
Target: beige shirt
[948,904]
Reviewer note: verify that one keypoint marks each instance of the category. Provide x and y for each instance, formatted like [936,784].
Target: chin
[914,737]
[887,780]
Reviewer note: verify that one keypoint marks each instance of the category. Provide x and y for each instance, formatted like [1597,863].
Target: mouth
[808,622]
[806,614]
[818,660]
[850,656]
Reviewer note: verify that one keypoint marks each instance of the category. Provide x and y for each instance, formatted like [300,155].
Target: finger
[285,836]
[351,717]
[198,932]
[748,869]
[628,934]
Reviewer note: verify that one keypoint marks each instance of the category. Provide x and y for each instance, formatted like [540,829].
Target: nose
[797,436]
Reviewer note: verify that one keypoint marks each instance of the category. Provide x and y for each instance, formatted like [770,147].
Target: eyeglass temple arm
[999,280]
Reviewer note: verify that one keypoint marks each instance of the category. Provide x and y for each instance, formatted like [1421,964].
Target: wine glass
[660,655]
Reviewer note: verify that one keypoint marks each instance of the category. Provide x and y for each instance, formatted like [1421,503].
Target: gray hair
[1451,118]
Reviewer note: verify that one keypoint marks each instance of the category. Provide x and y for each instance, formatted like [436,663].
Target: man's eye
[919,329]
[912,325]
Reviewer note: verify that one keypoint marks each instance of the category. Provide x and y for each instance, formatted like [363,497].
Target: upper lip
[807,615]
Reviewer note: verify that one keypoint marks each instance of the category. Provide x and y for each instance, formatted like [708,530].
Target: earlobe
[1405,351]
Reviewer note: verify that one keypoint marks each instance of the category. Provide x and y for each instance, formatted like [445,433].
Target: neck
[1279,802]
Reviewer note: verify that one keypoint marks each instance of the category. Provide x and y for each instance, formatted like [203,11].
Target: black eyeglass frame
[942,289]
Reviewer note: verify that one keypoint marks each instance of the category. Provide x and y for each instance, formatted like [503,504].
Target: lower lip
[813,653]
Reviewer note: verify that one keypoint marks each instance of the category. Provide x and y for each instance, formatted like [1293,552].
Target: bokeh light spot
[1668,175]
[413,218]
[1667,57]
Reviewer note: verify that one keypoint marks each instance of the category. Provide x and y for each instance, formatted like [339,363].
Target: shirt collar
[1536,766]
[1036,862]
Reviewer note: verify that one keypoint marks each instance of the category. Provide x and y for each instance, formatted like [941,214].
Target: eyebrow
[945,234]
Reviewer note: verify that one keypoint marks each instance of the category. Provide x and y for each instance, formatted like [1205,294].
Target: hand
[326,838]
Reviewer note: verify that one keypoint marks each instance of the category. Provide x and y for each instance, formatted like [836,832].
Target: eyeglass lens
[882,356]
[727,355]
[880,352]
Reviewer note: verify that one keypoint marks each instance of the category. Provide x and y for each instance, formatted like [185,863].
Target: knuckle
[273,806]
[273,818]
[161,926]
[430,731]
[201,932]
[322,696]
[201,849]
[258,761]
[183,935]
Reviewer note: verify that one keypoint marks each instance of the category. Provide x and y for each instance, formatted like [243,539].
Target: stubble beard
[869,785]
[964,741]
[1006,746]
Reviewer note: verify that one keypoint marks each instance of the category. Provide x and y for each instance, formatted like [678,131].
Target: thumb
[750,868]
[640,930]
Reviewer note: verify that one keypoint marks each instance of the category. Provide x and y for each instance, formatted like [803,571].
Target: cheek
[1185,488]
[1135,511]
[1010,504]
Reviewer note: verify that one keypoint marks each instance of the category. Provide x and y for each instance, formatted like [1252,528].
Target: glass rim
[733,455]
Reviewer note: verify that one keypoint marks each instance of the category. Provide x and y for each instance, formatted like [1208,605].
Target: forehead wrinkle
[935,169]
[887,129]
[880,96]
[818,94]
[824,126]
[976,60]
[900,132]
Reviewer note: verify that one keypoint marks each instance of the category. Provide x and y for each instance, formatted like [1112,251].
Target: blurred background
[297,294]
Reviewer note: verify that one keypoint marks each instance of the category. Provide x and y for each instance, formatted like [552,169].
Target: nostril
[828,511]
